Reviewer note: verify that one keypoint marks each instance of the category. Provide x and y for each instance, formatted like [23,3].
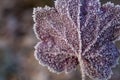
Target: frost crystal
[78,32]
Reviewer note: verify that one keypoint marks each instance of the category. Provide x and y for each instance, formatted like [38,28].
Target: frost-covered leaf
[69,8]
[56,60]
[58,38]
[50,26]
[78,32]
[99,60]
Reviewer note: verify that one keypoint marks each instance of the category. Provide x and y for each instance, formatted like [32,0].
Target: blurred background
[17,41]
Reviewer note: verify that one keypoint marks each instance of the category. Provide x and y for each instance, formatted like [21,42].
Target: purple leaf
[57,61]
[78,32]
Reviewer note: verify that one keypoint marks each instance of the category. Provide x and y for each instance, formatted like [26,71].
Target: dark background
[17,41]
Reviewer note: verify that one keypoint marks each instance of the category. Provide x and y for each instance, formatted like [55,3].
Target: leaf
[57,61]
[69,8]
[56,40]
[99,60]
[78,32]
